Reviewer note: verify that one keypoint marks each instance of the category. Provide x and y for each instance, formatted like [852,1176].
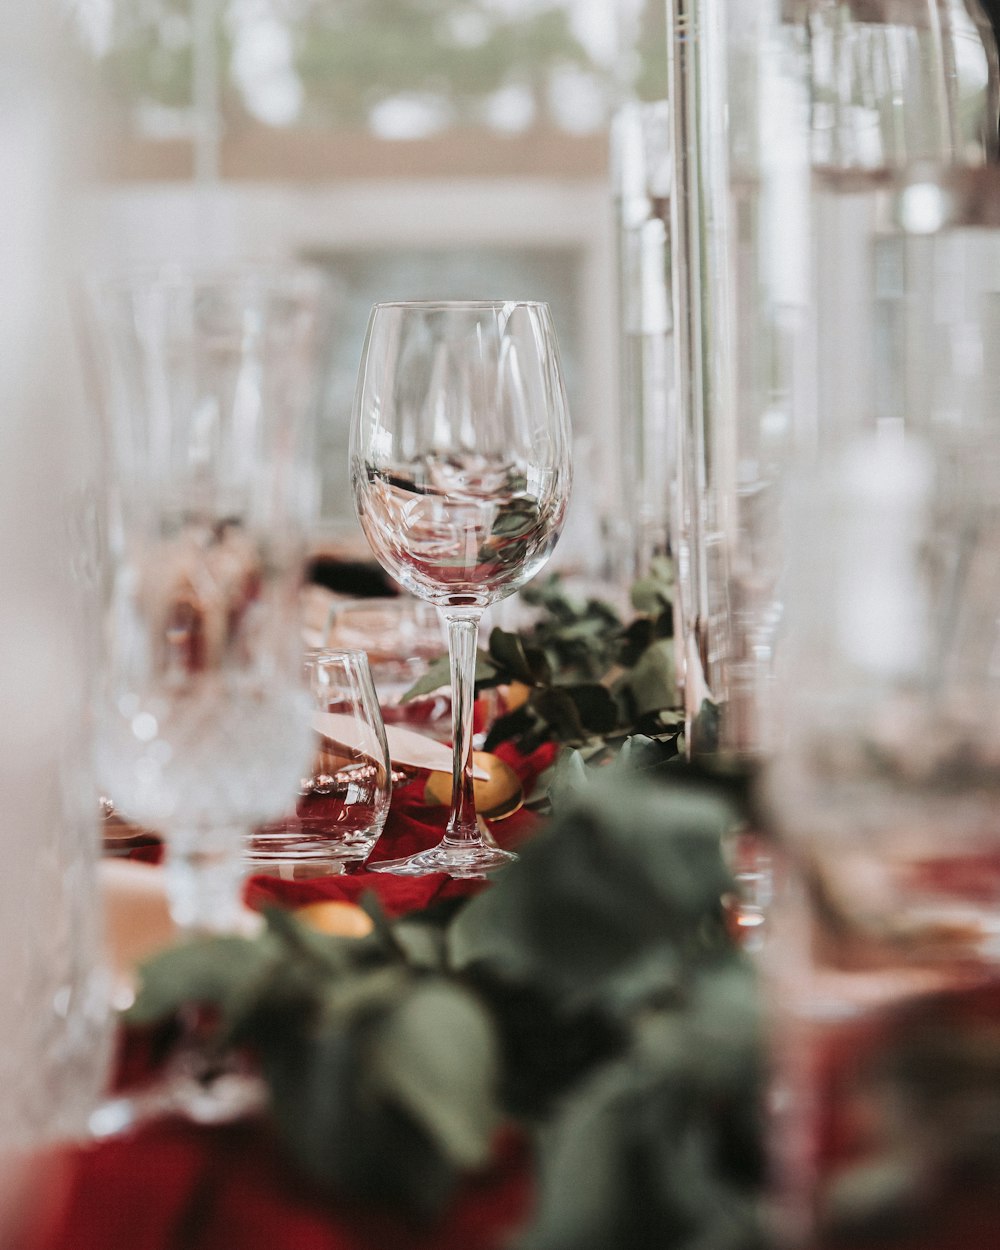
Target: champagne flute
[460,465]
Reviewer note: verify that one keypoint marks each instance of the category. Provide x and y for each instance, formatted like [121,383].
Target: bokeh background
[414,148]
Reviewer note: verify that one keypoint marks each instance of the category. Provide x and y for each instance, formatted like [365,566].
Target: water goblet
[203,724]
[460,465]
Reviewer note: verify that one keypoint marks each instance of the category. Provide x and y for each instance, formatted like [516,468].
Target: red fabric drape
[178,1186]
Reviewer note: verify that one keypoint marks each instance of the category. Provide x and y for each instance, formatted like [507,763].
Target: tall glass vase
[768,171]
[642,176]
[702,342]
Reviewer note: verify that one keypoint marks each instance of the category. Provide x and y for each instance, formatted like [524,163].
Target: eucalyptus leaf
[569,777]
[518,517]
[638,751]
[436,1053]
[520,663]
[311,1078]
[558,709]
[596,707]
[652,1150]
[652,683]
[437,676]
[622,866]
[648,598]
[705,729]
[364,995]
[211,971]
[633,1162]
[423,945]
[650,593]
[514,724]
[634,640]
[331,953]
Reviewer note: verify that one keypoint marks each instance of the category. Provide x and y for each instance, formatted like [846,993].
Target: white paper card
[406,747]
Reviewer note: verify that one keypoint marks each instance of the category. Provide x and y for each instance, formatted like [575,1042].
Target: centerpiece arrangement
[593,1000]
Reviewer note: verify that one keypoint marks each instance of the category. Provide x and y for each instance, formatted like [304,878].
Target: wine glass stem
[204,879]
[463,635]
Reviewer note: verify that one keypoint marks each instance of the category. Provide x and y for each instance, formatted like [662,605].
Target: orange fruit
[337,918]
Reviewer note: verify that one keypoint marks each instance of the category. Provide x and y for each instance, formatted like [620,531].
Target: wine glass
[460,465]
[203,727]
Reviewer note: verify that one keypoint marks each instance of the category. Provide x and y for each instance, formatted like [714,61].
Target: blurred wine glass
[460,463]
[402,636]
[203,723]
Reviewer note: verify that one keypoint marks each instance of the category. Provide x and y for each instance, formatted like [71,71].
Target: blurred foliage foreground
[592,997]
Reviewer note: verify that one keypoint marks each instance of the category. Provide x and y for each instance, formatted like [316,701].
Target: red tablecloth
[177,1186]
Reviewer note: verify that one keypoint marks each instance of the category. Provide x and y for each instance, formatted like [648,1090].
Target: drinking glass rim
[352,654]
[458,304]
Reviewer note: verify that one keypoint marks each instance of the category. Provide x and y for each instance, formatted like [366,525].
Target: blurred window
[418,148]
[400,71]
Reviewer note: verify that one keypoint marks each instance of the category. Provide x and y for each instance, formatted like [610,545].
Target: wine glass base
[455,858]
[225,1099]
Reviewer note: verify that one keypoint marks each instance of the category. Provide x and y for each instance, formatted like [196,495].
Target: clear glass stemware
[204,725]
[460,464]
[343,800]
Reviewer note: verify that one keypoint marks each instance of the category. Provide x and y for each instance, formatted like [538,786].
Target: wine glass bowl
[460,466]
[460,478]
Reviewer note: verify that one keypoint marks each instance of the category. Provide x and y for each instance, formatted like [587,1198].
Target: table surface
[174,1185]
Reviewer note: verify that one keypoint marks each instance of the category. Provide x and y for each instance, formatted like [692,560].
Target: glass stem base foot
[457,858]
[232,1098]
[193,1086]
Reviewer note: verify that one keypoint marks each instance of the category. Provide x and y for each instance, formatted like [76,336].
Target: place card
[406,747]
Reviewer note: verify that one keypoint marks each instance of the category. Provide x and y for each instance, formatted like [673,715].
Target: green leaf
[556,706]
[516,518]
[637,751]
[436,1053]
[596,706]
[705,729]
[364,994]
[438,676]
[624,865]
[422,944]
[520,663]
[321,954]
[512,725]
[212,971]
[569,777]
[635,639]
[650,596]
[652,683]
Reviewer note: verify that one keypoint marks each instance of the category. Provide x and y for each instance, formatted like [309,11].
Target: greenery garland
[585,679]
[592,996]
